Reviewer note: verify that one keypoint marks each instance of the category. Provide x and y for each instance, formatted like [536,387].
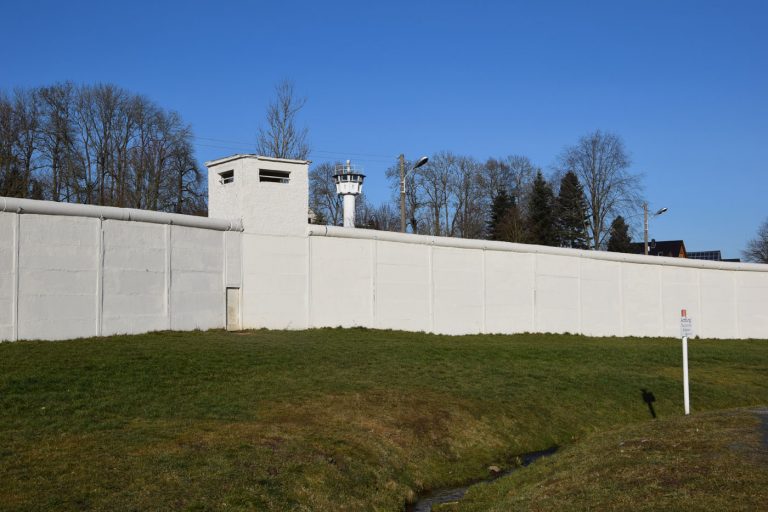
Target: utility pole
[423,160]
[645,223]
[645,230]
[402,193]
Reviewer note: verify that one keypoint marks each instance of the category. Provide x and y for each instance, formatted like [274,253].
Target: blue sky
[684,83]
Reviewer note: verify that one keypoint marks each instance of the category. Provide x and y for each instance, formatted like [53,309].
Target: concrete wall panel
[342,273]
[601,299]
[718,305]
[275,282]
[509,291]
[134,280]
[197,279]
[458,286]
[641,288]
[403,286]
[7,275]
[557,294]
[58,276]
[233,244]
[752,304]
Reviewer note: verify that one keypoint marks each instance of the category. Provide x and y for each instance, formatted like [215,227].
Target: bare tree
[27,120]
[514,173]
[383,217]
[470,205]
[57,135]
[10,177]
[323,199]
[757,248]
[601,163]
[100,145]
[281,138]
[434,181]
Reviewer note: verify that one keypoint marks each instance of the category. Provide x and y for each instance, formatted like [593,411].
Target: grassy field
[324,419]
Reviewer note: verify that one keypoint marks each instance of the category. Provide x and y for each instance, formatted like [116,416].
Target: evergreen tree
[513,225]
[619,240]
[506,223]
[572,218]
[501,204]
[541,227]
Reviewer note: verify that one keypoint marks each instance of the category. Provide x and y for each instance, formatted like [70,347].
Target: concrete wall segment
[80,276]
[483,286]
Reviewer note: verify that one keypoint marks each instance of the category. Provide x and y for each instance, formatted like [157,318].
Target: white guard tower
[349,183]
[270,195]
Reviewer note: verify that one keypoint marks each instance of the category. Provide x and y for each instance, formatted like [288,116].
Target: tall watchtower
[270,195]
[349,185]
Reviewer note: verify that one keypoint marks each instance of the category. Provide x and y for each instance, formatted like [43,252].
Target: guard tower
[349,183]
[270,195]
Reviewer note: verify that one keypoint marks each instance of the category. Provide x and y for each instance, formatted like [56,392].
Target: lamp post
[645,230]
[403,175]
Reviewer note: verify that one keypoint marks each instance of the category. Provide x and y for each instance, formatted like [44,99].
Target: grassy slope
[322,419]
[714,461]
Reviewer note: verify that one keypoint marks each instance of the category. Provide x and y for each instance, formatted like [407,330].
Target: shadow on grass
[649,398]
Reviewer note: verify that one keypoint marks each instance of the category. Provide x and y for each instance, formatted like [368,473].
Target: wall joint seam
[100,282]
[374,290]
[431,289]
[16,271]
[309,283]
[168,277]
[485,295]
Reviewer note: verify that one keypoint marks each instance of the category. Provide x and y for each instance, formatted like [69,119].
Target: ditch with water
[425,502]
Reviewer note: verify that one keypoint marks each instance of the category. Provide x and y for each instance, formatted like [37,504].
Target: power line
[231,144]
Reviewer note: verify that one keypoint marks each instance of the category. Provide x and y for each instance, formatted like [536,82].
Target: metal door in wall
[233,309]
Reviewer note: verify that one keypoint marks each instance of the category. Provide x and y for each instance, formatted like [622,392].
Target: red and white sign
[686,325]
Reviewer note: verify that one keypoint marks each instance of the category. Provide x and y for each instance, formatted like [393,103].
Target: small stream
[426,501]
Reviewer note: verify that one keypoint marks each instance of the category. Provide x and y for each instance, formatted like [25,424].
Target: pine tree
[619,240]
[572,218]
[506,223]
[541,227]
[512,227]
[501,204]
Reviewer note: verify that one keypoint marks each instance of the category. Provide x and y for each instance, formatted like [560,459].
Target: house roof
[671,248]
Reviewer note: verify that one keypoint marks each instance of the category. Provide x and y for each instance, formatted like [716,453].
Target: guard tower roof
[238,156]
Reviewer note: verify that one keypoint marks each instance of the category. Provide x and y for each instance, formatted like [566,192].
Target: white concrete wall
[8,227]
[85,271]
[451,286]
[275,282]
[67,276]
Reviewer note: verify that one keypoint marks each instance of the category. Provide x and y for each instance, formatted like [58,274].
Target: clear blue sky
[685,83]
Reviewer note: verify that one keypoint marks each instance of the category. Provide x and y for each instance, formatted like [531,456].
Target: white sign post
[686,331]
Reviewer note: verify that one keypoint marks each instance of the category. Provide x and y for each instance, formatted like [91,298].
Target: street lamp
[421,161]
[645,215]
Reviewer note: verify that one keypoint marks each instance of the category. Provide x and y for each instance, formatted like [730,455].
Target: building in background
[710,256]
[669,248]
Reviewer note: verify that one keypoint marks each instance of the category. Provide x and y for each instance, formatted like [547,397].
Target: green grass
[715,461]
[324,419]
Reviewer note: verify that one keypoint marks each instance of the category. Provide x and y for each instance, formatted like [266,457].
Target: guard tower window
[226,177]
[274,176]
